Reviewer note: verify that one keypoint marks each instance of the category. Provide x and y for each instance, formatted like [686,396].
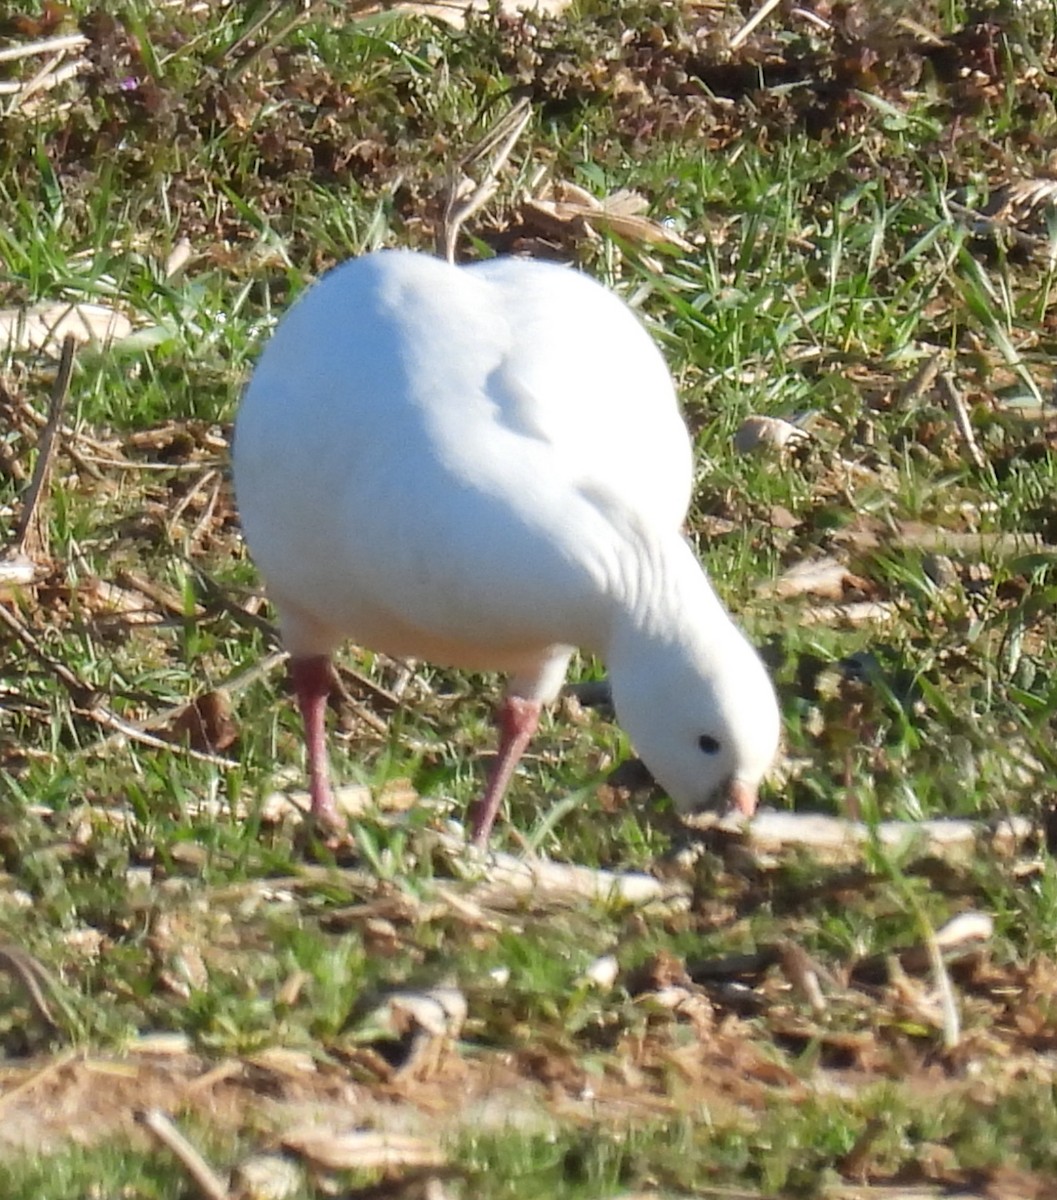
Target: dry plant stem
[87,705]
[165,598]
[263,666]
[757,18]
[32,976]
[217,596]
[208,1183]
[802,973]
[205,521]
[348,9]
[80,691]
[42,81]
[47,446]
[68,41]
[36,81]
[1027,241]
[251,31]
[498,142]
[208,476]
[952,1025]
[961,420]
[103,716]
[48,1071]
[922,379]
[359,710]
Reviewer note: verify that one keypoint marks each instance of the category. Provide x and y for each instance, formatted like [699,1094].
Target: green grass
[828,264]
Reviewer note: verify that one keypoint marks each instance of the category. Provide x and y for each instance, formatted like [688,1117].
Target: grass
[818,181]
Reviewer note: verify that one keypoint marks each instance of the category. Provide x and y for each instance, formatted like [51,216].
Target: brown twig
[209,1184]
[165,598]
[47,446]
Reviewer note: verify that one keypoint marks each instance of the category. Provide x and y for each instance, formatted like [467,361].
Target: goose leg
[311,679]
[517,720]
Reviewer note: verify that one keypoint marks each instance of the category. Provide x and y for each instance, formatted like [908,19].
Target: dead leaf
[45,326]
[816,577]
[564,206]
[756,434]
[266,1177]
[18,570]
[206,723]
[856,613]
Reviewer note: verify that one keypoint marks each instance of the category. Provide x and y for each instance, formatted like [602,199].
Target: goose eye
[708,744]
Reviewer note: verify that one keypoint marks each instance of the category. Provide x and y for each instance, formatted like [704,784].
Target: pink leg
[517,720]
[311,680]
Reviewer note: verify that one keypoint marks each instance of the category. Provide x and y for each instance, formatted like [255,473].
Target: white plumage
[486,467]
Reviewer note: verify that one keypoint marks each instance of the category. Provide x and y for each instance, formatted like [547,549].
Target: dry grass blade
[206,1181]
[922,379]
[33,977]
[140,731]
[134,733]
[31,534]
[757,18]
[562,207]
[496,147]
[258,23]
[68,41]
[952,1022]
[961,420]
[50,75]
[803,973]
[80,692]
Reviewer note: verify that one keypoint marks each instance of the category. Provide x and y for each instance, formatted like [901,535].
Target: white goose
[485,466]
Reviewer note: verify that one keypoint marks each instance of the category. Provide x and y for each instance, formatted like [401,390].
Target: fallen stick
[506,880]
[209,1184]
[773,836]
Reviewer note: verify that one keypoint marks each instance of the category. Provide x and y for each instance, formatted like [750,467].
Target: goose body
[486,467]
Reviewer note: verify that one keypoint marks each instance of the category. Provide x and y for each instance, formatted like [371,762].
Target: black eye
[708,743]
